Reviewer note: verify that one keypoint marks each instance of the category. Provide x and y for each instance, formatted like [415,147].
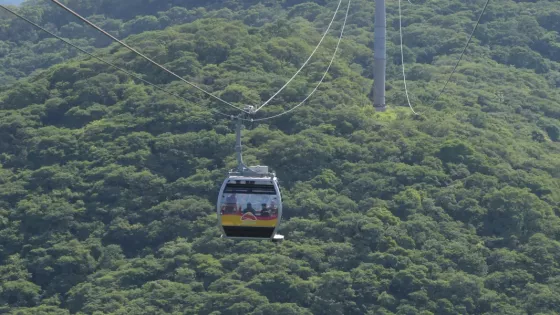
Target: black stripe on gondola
[242,231]
[250,189]
[265,186]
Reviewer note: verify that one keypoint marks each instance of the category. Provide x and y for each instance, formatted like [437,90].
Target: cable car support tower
[379,55]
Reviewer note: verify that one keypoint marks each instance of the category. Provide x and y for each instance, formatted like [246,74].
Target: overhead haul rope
[145,57]
[153,62]
[102,60]
[324,75]
[402,60]
[190,83]
[462,53]
[305,63]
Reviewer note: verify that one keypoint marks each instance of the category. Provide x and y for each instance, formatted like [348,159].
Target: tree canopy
[108,185]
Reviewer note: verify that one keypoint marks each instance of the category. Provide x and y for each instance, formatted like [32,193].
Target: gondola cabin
[250,207]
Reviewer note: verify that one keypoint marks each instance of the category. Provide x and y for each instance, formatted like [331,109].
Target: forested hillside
[108,186]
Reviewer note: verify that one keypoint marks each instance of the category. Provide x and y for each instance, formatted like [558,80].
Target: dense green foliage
[107,186]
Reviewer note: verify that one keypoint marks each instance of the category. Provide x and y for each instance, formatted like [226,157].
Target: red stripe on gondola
[258,218]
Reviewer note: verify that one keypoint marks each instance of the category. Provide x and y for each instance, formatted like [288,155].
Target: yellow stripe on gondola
[235,220]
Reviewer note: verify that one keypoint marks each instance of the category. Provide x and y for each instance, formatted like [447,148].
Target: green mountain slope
[108,186]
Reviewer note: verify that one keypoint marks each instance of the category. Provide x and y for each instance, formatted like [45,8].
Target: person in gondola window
[231,204]
[249,208]
[264,211]
[273,207]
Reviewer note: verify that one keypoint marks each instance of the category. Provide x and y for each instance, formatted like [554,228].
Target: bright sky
[11,1]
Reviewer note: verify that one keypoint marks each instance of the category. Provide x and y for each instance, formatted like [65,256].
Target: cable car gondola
[249,203]
[250,207]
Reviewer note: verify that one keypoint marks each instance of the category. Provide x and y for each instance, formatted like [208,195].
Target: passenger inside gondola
[264,211]
[273,208]
[230,204]
[249,209]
